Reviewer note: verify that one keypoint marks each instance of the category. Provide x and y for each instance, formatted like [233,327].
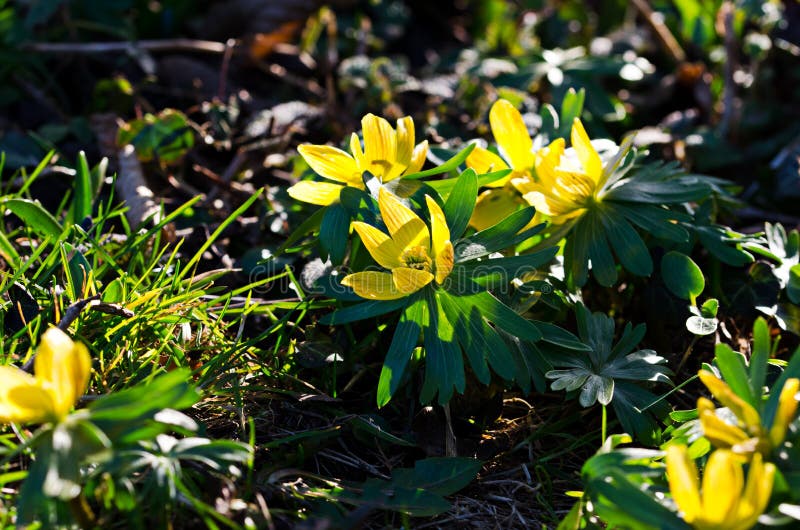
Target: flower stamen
[417,258]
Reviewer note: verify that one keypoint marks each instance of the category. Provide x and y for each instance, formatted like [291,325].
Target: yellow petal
[373,285]
[683,482]
[484,161]
[380,146]
[405,141]
[743,410]
[440,232]
[443,254]
[406,227]
[62,366]
[576,186]
[380,246]
[445,260]
[22,400]
[409,280]
[523,184]
[358,153]
[723,482]
[590,160]
[492,207]
[511,134]
[418,158]
[787,408]
[312,192]
[331,163]
[756,494]
[560,209]
[719,433]
[547,160]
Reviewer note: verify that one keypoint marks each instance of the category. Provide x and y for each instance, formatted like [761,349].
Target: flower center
[417,258]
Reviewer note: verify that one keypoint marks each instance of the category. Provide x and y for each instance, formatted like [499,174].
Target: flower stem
[603,425]
[82,512]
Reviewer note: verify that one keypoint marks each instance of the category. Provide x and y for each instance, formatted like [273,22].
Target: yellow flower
[62,373]
[726,501]
[414,255]
[516,145]
[749,435]
[567,180]
[512,139]
[387,154]
[787,409]
[559,182]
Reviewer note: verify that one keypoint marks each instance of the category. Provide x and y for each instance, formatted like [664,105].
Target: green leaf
[576,257]
[334,232]
[793,286]
[77,274]
[471,336]
[82,192]
[530,364]
[571,108]
[500,315]
[732,366]
[573,519]
[701,326]
[558,336]
[132,414]
[385,495]
[500,236]
[628,245]
[550,123]
[792,370]
[450,165]
[631,336]
[461,202]
[624,505]
[369,309]
[166,136]
[445,187]
[718,242]
[506,269]
[114,292]
[35,216]
[7,251]
[405,338]
[439,475]
[682,276]
[360,205]
[306,227]
[654,220]
[759,357]
[676,190]
[444,363]
[629,402]
[710,308]
[603,266]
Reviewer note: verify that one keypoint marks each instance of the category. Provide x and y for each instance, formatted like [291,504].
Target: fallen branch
[664,35]
[193,45]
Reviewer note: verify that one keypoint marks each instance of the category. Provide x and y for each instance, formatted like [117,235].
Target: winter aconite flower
[567,180]
[748,435]
[512,139]
[61,375]
[559,181]
[387,154]
[415,255]
[516,146]
[726,501]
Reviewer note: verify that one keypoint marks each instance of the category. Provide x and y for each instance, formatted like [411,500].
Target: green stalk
[604,425]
